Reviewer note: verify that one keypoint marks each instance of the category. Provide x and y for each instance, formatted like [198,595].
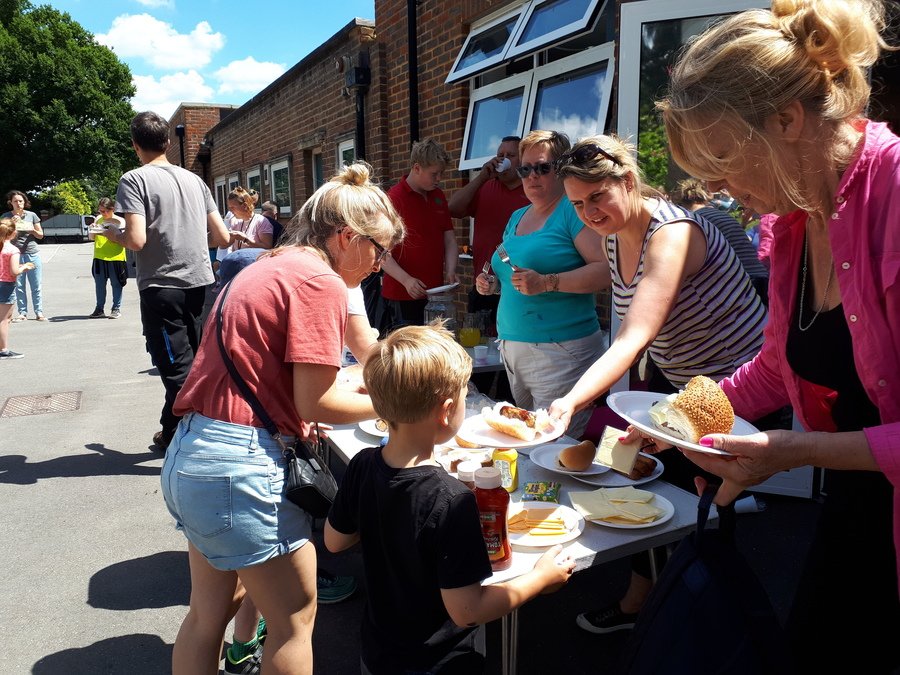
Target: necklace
[803,290]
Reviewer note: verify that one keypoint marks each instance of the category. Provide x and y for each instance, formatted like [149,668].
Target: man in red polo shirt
[491,197]
[428,255]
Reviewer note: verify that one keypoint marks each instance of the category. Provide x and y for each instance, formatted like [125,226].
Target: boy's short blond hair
[428,153]
[414,370]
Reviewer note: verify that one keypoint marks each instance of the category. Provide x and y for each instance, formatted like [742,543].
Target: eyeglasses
[382,251]
[584,154]
[541,169]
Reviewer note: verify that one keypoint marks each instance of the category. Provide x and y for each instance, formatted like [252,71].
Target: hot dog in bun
[516,422]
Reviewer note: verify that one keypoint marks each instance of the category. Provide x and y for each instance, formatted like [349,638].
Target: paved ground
[95,577]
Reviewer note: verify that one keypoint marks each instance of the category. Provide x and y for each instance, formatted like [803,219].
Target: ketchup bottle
[493,504]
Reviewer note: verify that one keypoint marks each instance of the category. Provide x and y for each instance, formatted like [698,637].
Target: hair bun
[356,173]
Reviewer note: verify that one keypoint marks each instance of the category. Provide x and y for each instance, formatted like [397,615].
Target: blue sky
[216,51]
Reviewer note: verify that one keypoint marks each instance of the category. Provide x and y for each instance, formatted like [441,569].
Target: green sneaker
[332,588]
[249,665]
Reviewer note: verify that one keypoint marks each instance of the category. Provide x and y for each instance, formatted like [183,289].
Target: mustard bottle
[506,460]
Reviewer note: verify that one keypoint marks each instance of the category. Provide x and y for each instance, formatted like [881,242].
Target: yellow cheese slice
[615,454]
[628,494]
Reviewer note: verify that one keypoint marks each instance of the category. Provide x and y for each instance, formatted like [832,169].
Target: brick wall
[442,28]
[299,112]
[197,120]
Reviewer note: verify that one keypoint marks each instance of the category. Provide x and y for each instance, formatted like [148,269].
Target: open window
[221,194]
[254,182]
[570,95]
[520,30]
[346,152]
[280,185]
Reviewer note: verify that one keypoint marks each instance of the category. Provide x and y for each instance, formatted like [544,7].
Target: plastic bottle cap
[465,471]
[487,478]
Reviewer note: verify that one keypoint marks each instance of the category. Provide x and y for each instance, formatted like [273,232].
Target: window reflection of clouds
[579,97]
[492,119]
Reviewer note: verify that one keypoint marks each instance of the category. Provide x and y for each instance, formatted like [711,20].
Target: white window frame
[589,57]
[529,82]
[633,16]
[343,146]
[494,20]
[572,29]
[513,49]
[522,81]
[278,165]
[221,182]
[255,173]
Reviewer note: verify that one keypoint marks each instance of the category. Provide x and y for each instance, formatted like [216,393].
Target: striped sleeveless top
[717,321]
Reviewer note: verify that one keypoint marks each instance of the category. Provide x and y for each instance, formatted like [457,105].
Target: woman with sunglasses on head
[680,293]
[283,326]
[547,318]
[771,105]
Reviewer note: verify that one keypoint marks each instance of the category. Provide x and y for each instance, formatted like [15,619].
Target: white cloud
[157,42]
[247,75]
[157,3]
[165,94]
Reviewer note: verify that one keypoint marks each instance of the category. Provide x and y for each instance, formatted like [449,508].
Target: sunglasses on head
[584,154]
[541,169]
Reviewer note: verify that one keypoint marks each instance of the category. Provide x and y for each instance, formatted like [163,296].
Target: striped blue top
[717,321]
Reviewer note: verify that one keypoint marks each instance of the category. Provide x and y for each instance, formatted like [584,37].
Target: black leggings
[172,319]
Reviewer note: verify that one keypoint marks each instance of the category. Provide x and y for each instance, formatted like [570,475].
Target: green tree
[64,101]
[67,197]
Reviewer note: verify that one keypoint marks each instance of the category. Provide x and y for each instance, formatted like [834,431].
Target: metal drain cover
[38,404]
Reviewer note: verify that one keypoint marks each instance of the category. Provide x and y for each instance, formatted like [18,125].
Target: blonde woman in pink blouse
[769,105]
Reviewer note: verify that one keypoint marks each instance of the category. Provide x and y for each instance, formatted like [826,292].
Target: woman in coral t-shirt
[283,327]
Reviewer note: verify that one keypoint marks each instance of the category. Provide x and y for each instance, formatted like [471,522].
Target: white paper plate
[369,427]
[546,457]
[442,289]
[634,406]
[658,501]
[573,520]
[615,479]
[476,430]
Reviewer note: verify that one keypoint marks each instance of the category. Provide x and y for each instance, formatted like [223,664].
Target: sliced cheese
[628,494]
[615,454]
[598,505]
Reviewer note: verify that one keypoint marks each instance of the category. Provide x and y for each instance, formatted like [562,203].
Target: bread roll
[464,444]
[577,457]
[701,409]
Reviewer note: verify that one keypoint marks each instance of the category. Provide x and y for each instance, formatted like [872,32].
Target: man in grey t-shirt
[171,221]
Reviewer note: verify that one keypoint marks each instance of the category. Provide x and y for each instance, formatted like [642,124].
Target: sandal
[161,441]
[17,319]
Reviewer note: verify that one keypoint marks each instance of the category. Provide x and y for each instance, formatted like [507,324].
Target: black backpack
[707,612]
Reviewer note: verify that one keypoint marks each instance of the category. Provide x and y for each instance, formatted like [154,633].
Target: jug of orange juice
[470,333]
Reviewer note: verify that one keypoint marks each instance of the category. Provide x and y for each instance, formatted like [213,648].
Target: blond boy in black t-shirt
[423,552]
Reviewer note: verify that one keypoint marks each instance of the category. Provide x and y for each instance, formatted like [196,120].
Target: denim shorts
[223,483]
[7,292]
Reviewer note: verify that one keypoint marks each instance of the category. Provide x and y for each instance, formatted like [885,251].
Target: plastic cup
[481,354]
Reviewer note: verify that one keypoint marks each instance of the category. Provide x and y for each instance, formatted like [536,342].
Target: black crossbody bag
[308,481]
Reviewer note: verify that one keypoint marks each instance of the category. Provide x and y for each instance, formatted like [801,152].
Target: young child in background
[9,270]
[423,551]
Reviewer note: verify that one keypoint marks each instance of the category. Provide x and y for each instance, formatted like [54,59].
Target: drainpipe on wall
[357,80]
[412,39]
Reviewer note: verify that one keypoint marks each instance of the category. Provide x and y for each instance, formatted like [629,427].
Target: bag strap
[246,392]
[727,518]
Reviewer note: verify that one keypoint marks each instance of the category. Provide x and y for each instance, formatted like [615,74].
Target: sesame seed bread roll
[701,409]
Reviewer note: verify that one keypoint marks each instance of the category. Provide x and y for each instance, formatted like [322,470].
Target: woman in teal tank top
[547,318]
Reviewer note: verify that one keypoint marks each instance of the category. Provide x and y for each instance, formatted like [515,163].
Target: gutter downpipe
[413,69]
